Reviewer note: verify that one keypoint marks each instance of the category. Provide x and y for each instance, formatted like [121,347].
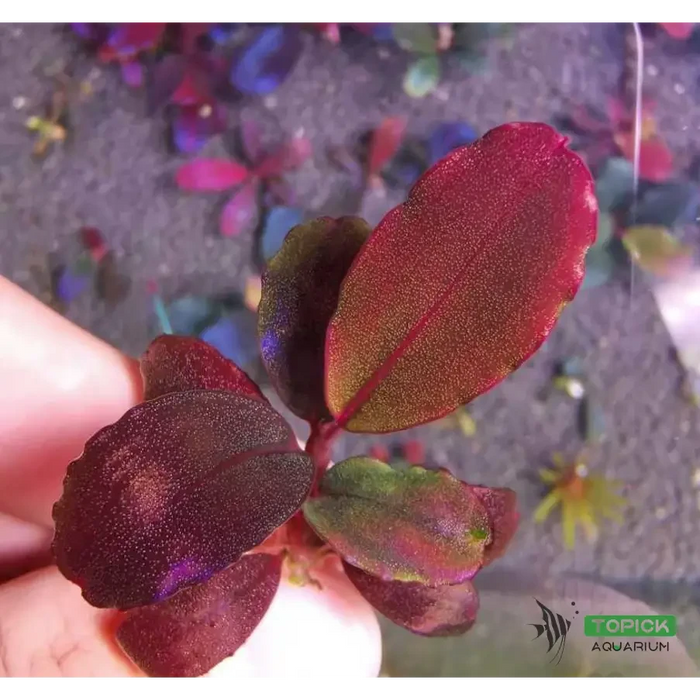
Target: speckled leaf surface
[412,525]
[438,611]
[503,515]
[180,363]
[463,282]
[299,295]
[178,489]
[188,634]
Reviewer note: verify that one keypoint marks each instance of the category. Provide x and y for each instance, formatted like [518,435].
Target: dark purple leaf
[279,221]
[235,337]
[264,64]
[250,135]
[190,633]
[446,137]
[129,39]
[299,295]
[380,31]
[289,157]
[94,242]
[165,78]
[241,211]
[69,285]
[92,32]
[190,33]
[279,192]
[112,285]
[194,125]
[210,175]
[175,491]
[180,363]
[439,611]
[195,88]
[221,32]
[132,73]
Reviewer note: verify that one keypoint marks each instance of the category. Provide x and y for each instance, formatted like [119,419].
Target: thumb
[48,629]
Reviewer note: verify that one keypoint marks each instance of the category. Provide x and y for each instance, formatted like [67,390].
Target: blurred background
[133,199]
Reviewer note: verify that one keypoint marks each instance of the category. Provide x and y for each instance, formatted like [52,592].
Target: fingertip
[60,385]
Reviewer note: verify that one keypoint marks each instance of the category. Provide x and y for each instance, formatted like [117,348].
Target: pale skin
[58,386]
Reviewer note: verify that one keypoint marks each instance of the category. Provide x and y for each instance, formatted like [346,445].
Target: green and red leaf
[459,285]
[299,295]
[175,491]
[501,507]
[180,363]
[190,633]
[432,611]
[413,525]
[211,175]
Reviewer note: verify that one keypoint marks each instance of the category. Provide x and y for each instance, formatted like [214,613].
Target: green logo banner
[629,625]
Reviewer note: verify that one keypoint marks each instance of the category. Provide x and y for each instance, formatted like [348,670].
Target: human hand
[59,385]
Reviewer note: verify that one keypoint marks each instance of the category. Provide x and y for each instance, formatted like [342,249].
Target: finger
[60,385]
[23,546]
[308,632]
[47,629]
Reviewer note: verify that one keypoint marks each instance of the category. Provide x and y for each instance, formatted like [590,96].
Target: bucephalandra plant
[187,511]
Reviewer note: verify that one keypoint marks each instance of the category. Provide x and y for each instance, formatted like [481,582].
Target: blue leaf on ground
[448,136]
[190,315]
[69,285]
[278,222]
[235,336]
[265,63]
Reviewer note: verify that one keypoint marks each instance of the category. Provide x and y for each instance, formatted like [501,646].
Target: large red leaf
[190,633]
[210,175]
[241,211]
[412,525]
[459,285]
[181,363]
[299,294]
[438,611]
[179,488]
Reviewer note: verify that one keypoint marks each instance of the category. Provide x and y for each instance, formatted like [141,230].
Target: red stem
[318,446]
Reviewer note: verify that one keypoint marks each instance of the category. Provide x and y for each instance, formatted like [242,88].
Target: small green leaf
[416,37]
[614,184]
[422,76]
[412,525]
[656,250]
[600,265]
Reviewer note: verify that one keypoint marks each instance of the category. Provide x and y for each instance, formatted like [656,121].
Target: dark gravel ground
[117,175]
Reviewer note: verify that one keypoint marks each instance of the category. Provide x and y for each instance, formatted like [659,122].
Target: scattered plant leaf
[585,499]
[657,250]
[264,63]
[422,76]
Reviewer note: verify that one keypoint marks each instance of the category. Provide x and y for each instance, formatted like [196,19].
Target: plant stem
[318,446]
